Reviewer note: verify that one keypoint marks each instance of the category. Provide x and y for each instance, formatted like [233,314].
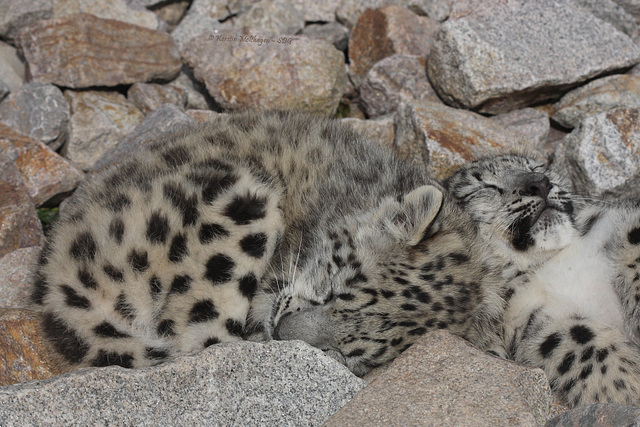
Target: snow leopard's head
[521,207]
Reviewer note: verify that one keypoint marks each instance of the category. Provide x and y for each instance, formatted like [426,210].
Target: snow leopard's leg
[627,258]
[584,360]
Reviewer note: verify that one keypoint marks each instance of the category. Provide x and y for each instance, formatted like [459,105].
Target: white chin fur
[553,233]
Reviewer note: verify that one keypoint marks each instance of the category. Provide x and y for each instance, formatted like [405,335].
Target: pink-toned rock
[270,72]
[149,96]
[99,121]
[203,115]
[23,354]
[444,137]
[394,79]
[45,173]
[443,380]
[378,130]
[387,31]
[19,223]
[112,9]
[16,276]
[80,51]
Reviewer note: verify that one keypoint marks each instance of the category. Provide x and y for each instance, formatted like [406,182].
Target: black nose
[536,184]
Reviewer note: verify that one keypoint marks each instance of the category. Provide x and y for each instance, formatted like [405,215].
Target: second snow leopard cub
[284,222]
[573,299]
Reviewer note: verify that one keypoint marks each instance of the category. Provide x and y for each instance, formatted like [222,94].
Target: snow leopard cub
[573,286]
[279,225]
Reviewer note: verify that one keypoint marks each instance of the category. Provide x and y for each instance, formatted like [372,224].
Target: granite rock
[444,380]
[603,152]
[333,32]
[196,92]
[444,137]
[168,118]
[274,384]
[172,13]
[317,11]
[379,130]
[11,67]
[610,11]
[112,9]
[16,275]
[19,223]
[4,90]
[350,11]
[149,96]
[220,10]
[99,121]
[18,14]
[502,56]
[22,352]
[203,115]
[194,25]
[531,123]
[598,96]
[597,415]
[277,17]
[44,172]
[386,31]
[38,110]
[269,72]
[81,50]
[392,80]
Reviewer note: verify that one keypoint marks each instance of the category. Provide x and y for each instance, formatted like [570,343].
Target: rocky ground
[83,82]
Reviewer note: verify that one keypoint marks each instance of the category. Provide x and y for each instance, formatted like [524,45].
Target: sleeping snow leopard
[573,285]
[271,225]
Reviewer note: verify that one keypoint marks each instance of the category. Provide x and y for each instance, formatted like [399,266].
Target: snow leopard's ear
[410,219]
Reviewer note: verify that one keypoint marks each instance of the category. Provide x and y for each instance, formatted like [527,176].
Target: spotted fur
[573,285]
[272,225]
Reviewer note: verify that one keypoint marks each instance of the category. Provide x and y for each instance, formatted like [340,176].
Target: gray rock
[379,130]
[18,14]
[443,380]
[609,11]
[4,90]
[598,96]
[172,13]
[392,80]
[349,11]
[167,118]
[317,11]
[196,92]
[194,25]
[21,227]
[531,123]
[279,383]
[149,96]
[243,71]
[277,17]
[505,56]
[219,9]
[11,67]
[38,110]
[333,32]
[443,137]
[632,7]
[16,277]
[98,123]
[603,152]
[387,31]
[112,9]
[597,415]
